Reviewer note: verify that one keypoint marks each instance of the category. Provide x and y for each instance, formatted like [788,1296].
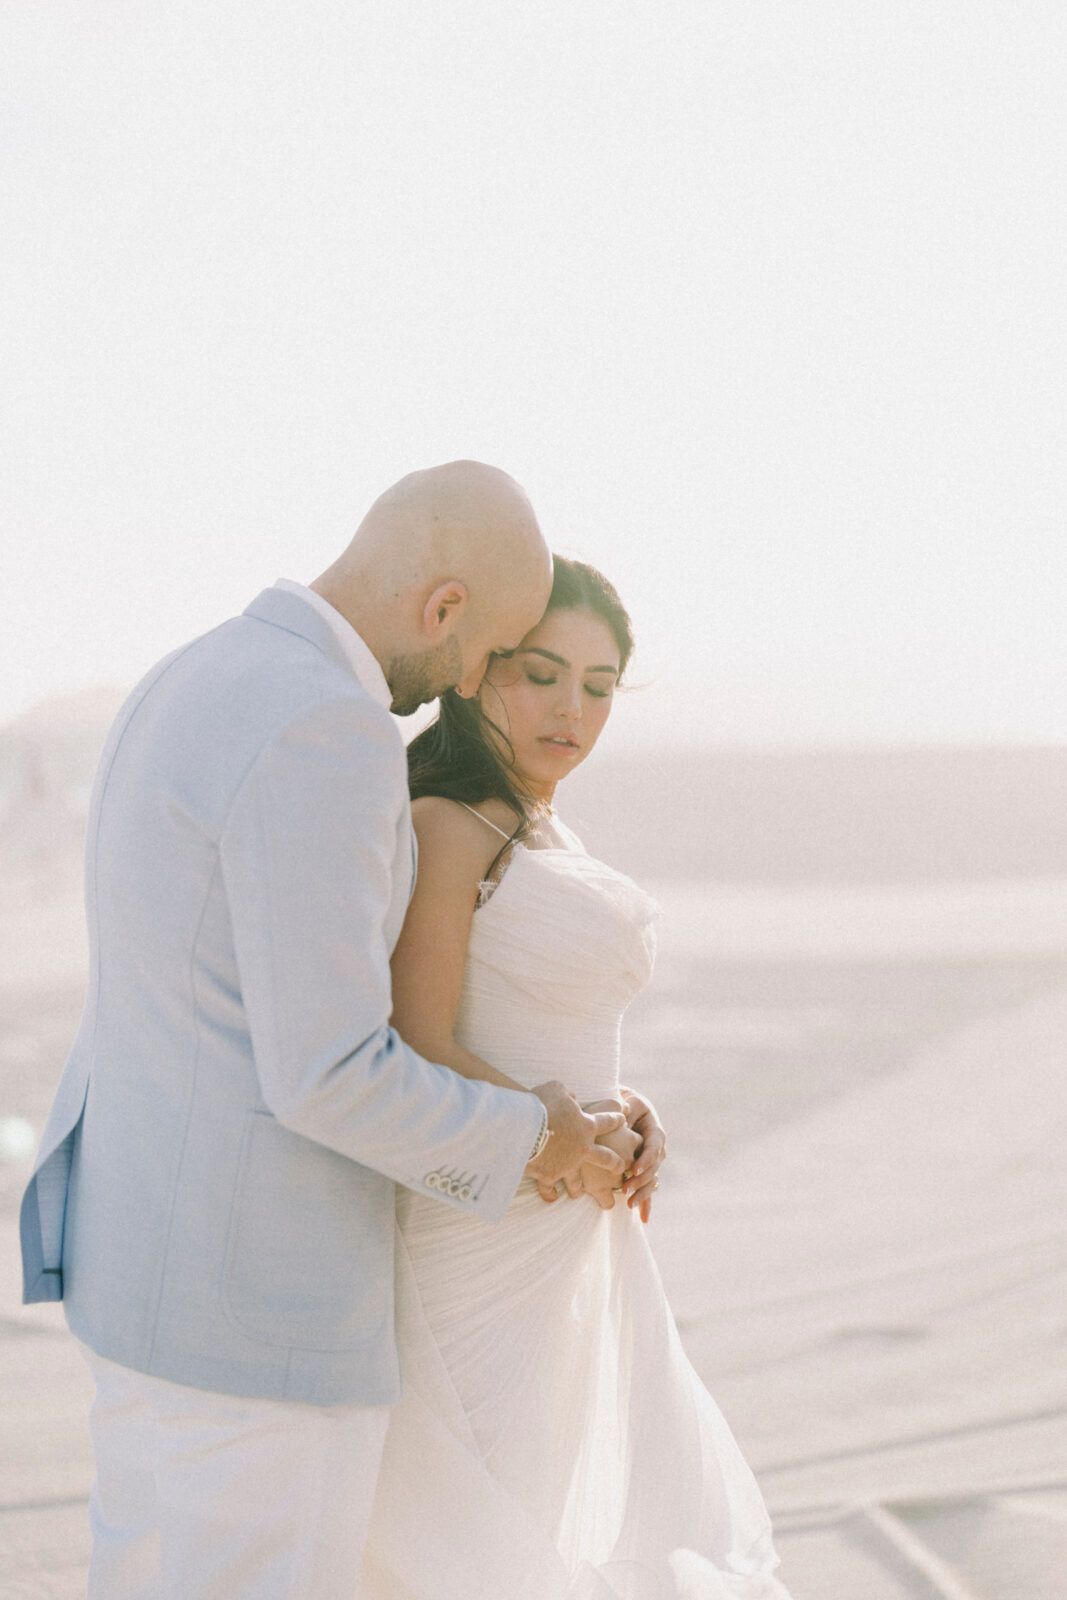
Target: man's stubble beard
[415,680]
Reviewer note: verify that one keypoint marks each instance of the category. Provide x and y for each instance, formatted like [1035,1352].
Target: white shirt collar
[358,654]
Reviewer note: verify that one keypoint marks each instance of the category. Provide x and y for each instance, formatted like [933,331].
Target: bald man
[213,1199]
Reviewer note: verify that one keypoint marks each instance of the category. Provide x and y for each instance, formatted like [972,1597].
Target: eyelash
[542,683]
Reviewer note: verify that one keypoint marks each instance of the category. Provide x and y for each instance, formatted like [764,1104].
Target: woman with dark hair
[553,1441]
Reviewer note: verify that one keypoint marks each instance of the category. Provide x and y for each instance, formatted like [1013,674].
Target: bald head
[464,520]
[448,565]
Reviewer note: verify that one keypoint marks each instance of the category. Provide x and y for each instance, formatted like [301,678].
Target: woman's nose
[570,703]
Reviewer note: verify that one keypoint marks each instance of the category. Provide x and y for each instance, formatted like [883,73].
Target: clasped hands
[602,1149]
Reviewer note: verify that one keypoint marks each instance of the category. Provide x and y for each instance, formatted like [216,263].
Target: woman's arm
[455,852]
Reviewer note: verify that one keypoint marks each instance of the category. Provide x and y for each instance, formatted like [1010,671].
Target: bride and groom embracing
[340,1186]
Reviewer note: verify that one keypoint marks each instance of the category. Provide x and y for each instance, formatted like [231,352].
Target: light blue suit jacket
[213,1198]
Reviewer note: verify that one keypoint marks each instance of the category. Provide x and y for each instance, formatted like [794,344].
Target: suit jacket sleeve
[307,856]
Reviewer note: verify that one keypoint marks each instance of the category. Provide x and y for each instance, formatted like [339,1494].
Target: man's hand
[573,1136]
[642,1180]
[597,1182]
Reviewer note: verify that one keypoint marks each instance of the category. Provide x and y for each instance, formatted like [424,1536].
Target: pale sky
[764,304]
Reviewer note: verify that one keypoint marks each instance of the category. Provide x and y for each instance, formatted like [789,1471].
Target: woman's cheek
[602,712]
[530,711]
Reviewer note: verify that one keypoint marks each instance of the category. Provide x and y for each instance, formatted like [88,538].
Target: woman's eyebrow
[534,651]
[548,655]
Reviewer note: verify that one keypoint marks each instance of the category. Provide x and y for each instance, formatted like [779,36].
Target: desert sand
[861,1225]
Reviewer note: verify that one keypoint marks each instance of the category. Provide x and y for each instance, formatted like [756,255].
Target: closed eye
[545,683]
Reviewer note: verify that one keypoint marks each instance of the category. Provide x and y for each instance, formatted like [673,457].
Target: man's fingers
[572,1182]
[547,1191]
[600,1156]
[607,1122]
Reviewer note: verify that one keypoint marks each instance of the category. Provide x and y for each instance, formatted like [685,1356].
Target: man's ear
[444,608]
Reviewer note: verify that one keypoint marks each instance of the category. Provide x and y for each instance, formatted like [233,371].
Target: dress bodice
[556,954]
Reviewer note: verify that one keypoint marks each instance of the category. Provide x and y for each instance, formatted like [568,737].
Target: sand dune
[876,1295]
[861,1225]
[899,1225]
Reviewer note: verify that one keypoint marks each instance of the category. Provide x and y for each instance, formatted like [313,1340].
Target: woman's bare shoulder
[469,840]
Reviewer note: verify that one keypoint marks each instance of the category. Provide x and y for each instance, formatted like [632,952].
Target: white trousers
[201,1496]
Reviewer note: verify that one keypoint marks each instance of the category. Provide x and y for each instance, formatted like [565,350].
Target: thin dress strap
[488,824]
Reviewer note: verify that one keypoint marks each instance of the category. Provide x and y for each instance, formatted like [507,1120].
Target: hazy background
[764,304]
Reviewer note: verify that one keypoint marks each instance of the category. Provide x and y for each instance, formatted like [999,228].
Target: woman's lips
[562,742]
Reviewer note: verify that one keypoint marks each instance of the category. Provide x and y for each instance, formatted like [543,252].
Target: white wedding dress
[553,1441]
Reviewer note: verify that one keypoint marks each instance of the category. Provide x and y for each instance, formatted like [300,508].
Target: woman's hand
[641,1181]
[599,1185]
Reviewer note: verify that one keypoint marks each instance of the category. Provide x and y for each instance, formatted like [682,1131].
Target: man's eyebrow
[532,650]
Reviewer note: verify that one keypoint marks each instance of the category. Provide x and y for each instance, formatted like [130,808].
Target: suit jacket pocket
[309,1252]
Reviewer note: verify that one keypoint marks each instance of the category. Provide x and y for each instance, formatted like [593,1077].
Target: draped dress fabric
[553,1441]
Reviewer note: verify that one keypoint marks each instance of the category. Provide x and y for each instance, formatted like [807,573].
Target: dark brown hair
[459,755]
